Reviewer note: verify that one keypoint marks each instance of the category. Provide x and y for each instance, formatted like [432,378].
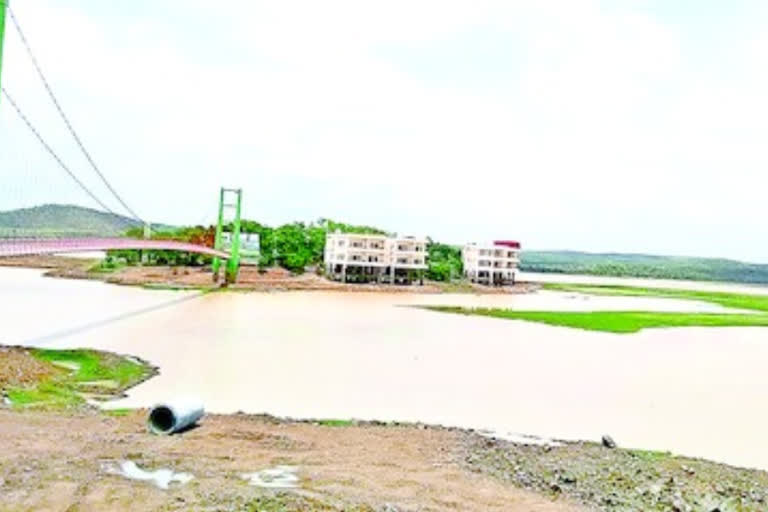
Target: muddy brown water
[692,391]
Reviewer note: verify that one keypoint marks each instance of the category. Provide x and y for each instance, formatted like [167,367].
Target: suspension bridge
[11,246]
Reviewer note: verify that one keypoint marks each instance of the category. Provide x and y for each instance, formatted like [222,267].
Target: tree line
[294,246]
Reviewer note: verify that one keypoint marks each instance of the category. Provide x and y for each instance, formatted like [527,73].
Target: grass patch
[118,413]
[650,455]
[48,394]
[292,502]
[615,321]
[725,299]
[78,371]
[335,423]
[634,321]
[95,366]
[174,287]
[107,266]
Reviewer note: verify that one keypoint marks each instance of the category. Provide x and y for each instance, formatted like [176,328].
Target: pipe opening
[162,420]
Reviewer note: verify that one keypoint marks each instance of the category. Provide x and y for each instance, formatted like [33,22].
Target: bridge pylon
[233,263]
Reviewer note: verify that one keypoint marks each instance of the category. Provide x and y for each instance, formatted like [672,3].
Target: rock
[679,505]
[608,442]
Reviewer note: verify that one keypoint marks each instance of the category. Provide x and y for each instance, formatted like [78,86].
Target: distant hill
[644,265]
[59,219]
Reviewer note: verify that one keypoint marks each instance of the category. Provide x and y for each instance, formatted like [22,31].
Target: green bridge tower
[233,263]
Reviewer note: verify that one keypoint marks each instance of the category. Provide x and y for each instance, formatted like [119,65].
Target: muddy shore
[58,461]
[249,279]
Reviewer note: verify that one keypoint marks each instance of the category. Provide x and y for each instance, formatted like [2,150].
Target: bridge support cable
[64,117]
[3,6]
[53,154]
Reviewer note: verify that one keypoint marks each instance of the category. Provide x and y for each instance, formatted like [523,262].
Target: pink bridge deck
[28,247]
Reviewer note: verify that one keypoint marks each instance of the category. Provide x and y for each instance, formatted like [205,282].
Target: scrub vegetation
[64,378]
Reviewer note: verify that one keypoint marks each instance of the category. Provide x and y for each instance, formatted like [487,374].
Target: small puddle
[520,438]
[161,478]
[280,477]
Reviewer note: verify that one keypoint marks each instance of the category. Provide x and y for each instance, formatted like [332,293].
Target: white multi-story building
[493,263]
[366,257]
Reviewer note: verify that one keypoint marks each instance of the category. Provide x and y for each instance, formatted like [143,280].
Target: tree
[444,261]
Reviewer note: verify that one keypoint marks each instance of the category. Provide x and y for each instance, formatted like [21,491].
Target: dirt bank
[250,278]
[19,368]
[53,461]
[60,461]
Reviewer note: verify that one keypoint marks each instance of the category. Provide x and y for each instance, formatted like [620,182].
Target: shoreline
[250,279]
[345,464]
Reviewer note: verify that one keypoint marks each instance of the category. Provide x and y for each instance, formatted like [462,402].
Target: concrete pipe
[171,417]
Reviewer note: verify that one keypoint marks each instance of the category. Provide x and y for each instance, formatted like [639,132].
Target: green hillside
[58,219]
[644,265]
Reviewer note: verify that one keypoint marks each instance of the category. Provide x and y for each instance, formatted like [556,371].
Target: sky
[622,126]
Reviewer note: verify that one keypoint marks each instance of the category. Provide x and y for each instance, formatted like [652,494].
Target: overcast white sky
[628,126]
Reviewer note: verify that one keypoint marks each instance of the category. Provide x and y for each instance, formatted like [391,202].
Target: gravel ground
[620,480]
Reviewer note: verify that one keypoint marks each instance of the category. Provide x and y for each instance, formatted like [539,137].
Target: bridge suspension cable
[55,156]
[68,124]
